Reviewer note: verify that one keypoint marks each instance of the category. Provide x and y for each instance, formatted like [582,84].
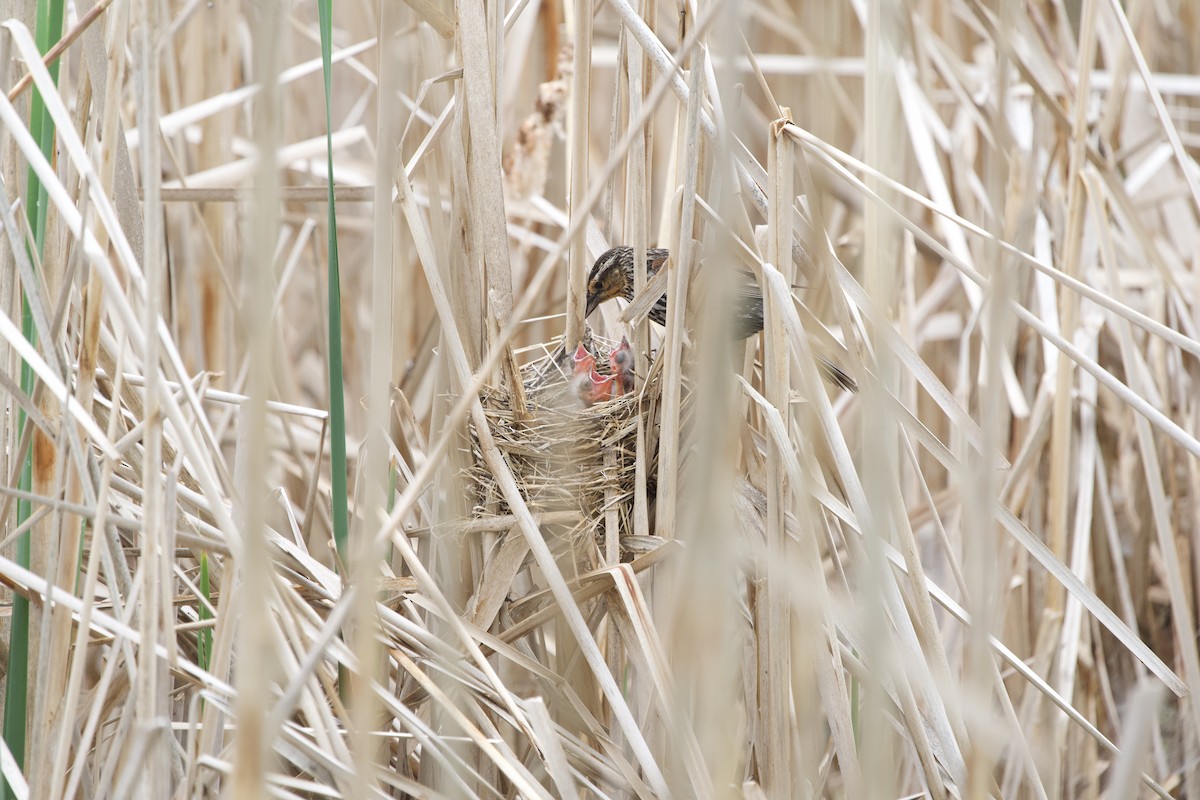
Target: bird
[620,360]
[584,360]
[581,380]
[603,387]
[590,386]
[612,276]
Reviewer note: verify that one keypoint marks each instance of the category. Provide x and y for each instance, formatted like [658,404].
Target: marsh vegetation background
[295,501]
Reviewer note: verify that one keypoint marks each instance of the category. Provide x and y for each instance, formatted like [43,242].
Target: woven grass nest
[567,457]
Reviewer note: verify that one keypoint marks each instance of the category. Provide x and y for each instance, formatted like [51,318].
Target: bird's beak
[592,302]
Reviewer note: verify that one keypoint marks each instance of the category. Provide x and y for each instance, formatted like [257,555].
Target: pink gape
[590,386]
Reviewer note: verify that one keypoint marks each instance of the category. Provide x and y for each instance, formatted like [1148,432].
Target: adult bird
[612,276]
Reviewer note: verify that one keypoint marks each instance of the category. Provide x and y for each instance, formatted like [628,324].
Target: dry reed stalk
[578,131]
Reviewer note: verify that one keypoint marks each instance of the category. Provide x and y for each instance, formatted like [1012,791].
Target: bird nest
[574,463]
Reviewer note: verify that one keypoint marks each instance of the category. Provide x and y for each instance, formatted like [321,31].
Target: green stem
[47,30]
[337,402]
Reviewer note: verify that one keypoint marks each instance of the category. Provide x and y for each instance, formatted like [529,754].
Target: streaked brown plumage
[612,276]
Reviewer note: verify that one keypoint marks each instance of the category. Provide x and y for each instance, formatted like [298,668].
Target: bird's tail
[836,375]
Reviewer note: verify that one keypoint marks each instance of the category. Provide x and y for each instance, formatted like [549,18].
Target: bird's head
[611,277]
